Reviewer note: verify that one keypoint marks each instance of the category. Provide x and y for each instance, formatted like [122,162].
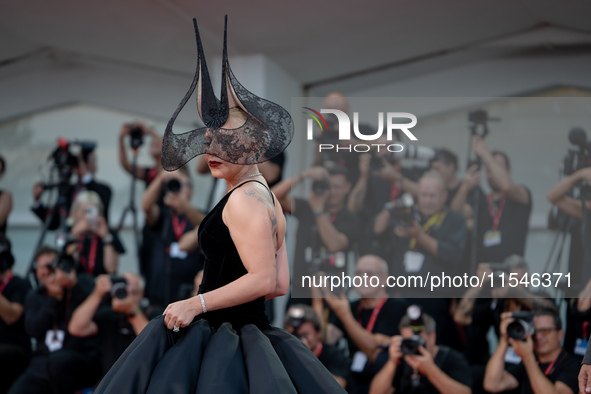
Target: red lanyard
[178,226]
[586,329]
[495,213]
[318,350]
[5,282]
[374,314]
[91,262]
[550,367]
[395,191]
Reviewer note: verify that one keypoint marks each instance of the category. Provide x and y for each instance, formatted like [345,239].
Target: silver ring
[175,329]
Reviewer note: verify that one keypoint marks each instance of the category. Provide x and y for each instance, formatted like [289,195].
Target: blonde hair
[85,197]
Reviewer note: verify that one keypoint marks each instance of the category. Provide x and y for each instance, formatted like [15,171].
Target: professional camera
[320,186]
[403,210]
[136,135]
[173,186]
[377,162]
[411,345]
[63,157]
[64,262]
[118,287]
[522,327]
[295,318]
[577,159]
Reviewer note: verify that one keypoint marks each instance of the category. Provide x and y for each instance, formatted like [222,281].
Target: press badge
[492,238]
[511,357]
[359,361]
[413,261]
[581,346]
[176,252]
[54,339]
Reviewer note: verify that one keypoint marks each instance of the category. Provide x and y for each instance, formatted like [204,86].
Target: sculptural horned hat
[267,131]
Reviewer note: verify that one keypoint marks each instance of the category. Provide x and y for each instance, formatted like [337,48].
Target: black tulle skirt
[200,359]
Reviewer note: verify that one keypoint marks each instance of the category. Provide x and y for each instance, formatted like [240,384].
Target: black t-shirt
[386,323]
[91,256]
[115,333]
[451,363]
[45,313]
[513,226]
[182,270]
[566,369]
[451,237]
[335,360]
[16,291]
[311,254]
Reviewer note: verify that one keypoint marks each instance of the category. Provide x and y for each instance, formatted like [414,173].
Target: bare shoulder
[252,203]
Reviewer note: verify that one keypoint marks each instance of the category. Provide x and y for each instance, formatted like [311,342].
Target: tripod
[131,208]
[61,208]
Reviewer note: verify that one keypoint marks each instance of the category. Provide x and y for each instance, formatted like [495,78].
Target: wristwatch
[318,213]
[108,239]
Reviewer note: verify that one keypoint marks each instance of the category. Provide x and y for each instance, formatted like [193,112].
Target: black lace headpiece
[268,129]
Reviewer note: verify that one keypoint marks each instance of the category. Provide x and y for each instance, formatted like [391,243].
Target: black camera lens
[118,287]
[173,186]
[65,263]
[522,327]
[411,345]
[319,187]
[136,135]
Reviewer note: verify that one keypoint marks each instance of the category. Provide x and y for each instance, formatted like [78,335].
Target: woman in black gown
[221,341]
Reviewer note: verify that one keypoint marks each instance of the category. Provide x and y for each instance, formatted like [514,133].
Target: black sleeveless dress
[232,350]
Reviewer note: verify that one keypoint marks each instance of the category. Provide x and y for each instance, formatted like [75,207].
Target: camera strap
[496,212]
[91,261]
[550,368]
[178,226]
[374,314]
[5,282]
[435,220]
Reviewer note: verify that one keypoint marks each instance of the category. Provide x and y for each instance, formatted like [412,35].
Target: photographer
[479,310]
[5,200]
[367,323]
[326,229]
[434,241]
[381,179]
[137,131]
[97,247]
[15,346]
[84,166]
[503,215]
[60,363]
[118,323]
[301,321]
[545,366]
[167,267]
[416,364]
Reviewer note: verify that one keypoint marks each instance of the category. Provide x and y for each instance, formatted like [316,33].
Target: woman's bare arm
[250,217]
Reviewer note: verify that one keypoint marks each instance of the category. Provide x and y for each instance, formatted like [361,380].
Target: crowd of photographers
[359,213]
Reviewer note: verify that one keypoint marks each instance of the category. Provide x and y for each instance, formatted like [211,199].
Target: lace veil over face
[267,131]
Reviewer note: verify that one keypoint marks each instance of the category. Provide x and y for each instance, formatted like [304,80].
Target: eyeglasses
[544,331]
